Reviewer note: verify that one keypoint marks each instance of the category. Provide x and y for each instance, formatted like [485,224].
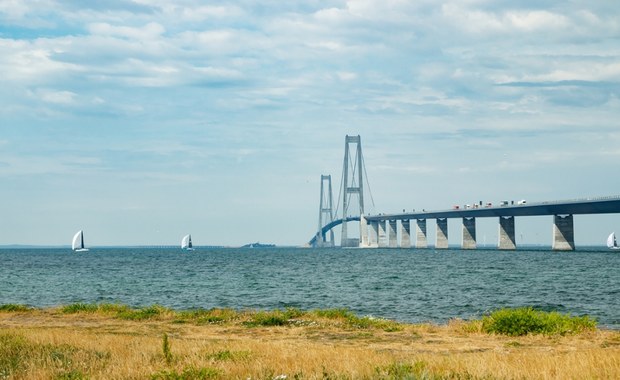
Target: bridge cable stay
[339,193]
[367,182]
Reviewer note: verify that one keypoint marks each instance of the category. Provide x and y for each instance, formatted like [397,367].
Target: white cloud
[149,31]
[56,97]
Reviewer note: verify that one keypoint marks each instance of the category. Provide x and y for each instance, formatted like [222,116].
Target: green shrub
[14,307]
[372,322]
[80,307]
[273,318]
[523,321]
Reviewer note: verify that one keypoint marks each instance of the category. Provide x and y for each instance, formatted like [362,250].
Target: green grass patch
[351,320]
[400,370]
[211,316]
[333,313]
[189,373]
[105,308]
[273,318]
[227,355]
[12,307]
[80,307]
[17,355]
[141,314]
[526,320]
[165,347]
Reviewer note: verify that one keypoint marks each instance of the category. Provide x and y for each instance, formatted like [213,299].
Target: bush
[523,321]
[14,307]
[80,307]
[274,318]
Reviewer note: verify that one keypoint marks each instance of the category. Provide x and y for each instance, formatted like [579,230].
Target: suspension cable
[339,193]
[367,182]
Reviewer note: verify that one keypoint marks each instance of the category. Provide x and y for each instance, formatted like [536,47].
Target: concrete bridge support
[383,243]
[392,242]
[364,232]
[563,233]
[405,234]
[507,233]
[469,233]
[373,236]
[442,233]
[421,241]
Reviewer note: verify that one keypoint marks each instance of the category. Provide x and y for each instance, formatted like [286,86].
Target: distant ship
[77,245]
[258,245]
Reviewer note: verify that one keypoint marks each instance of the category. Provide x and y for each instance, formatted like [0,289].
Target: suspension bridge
[381,230]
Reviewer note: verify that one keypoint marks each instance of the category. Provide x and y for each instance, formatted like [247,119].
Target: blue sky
[140,121]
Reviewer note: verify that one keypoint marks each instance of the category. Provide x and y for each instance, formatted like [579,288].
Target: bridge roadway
[602,205]
[382,231]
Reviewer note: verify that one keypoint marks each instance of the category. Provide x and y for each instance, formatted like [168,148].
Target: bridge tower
[326,214]
[352,186]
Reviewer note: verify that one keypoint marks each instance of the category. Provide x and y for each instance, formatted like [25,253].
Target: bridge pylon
[352,187]
[326,213]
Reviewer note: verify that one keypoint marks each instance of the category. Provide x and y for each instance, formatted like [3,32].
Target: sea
[407,285]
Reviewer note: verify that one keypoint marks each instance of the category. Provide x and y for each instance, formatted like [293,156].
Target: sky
[141,121]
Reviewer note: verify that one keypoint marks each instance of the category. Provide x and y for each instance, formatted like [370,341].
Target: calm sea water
[405,285]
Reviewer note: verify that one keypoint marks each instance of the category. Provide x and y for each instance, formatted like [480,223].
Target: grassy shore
[107,341]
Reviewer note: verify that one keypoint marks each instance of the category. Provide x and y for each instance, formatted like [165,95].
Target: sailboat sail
[611,241]
[186,242]
[78,241]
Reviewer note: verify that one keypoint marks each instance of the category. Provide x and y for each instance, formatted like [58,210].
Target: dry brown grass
[48,344]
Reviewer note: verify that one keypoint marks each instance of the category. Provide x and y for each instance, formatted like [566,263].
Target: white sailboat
[77,245]
[611,241]
[186,243]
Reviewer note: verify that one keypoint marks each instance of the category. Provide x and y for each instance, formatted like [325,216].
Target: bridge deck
[606,205]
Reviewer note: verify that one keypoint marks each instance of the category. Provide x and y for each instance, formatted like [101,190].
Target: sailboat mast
[82,241]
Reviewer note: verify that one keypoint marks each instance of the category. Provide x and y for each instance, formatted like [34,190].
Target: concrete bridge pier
[405,234]
[392,241]
[421,241]
[442,233]
[469,233]
[507,233]
[363,232]
[563,233]
[383,243]
[373,236]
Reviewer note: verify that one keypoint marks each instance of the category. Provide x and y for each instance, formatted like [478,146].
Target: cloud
[226,93]
[56,97]
[149,31]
